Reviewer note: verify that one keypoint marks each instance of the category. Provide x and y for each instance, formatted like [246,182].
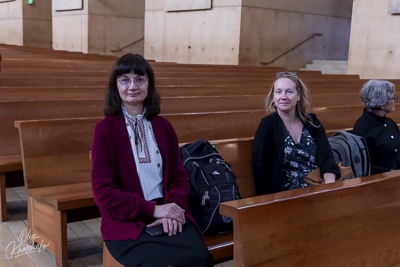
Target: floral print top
[299,159]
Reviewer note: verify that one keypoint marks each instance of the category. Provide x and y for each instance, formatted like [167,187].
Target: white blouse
[146,154]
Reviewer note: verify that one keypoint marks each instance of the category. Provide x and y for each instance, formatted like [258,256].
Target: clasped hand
[171,216]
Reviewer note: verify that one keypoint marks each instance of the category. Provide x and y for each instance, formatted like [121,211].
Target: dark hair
[129,63]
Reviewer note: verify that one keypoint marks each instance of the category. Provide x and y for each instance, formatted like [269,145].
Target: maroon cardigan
[116,185]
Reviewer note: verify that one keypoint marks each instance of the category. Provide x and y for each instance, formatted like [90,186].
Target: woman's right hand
[171,227]
[170,210]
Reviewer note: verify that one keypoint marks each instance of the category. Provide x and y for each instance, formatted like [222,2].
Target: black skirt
[183,249]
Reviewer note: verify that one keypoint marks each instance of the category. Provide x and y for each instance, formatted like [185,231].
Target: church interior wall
[101,27]
[374,50]
[24,24]
[270,28]
[209,36]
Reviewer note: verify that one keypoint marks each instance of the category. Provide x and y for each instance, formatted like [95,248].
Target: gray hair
[376,93]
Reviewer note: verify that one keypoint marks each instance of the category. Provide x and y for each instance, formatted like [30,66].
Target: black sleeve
[367,132]
[262,158]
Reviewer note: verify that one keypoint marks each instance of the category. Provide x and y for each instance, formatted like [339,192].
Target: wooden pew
[176,103]
[189,127]
[160,82]
[45,156]
[205,90]
[267,81]
[25,52]
[243,123]
[57,178]
[28,73]
[172,74]
[88,81]
[60,92]
[51,81]
[349,223]
[31,110]
[8,94]
[186,104]
[10,151]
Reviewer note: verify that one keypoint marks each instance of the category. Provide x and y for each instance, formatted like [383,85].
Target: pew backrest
[56,152]
[35,110]
[239,153]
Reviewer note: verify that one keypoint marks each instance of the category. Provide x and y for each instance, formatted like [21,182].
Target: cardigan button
[385,125]
[158,165]
[392,136]
[395,150]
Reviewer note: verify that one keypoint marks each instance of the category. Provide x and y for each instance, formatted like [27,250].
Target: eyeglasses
[395,98]
[282,74]
[126,81]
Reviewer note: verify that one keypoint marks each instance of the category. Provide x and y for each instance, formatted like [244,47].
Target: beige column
[246,32]
[197,34]
[25,24]
[374,51]
[109,27]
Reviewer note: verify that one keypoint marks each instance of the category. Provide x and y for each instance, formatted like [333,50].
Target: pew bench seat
[65,197]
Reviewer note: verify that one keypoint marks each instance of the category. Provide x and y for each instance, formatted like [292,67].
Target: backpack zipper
[205,198]
[202,157]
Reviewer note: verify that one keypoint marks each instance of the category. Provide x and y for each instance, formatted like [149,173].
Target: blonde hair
[301,89]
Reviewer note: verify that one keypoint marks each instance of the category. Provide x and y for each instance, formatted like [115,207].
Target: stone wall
[248,32]
[24,24]
[374,50]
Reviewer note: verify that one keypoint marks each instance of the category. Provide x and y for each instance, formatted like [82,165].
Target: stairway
[328,66]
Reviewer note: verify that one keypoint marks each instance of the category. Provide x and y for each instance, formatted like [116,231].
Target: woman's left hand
[329,177]
[170,210]
[170,226]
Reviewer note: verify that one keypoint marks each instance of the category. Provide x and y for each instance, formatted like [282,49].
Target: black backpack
[352,151]
[211,182]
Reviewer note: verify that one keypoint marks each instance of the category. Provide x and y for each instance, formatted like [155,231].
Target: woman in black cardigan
[290,143]
[381,133]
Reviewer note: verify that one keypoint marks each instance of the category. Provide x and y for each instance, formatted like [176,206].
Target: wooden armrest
[65,197]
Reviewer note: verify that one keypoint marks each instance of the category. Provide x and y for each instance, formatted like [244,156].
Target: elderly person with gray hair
[381,133]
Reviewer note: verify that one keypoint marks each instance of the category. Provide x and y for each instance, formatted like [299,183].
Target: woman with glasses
[381,133]
[290,143]
[138,178]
